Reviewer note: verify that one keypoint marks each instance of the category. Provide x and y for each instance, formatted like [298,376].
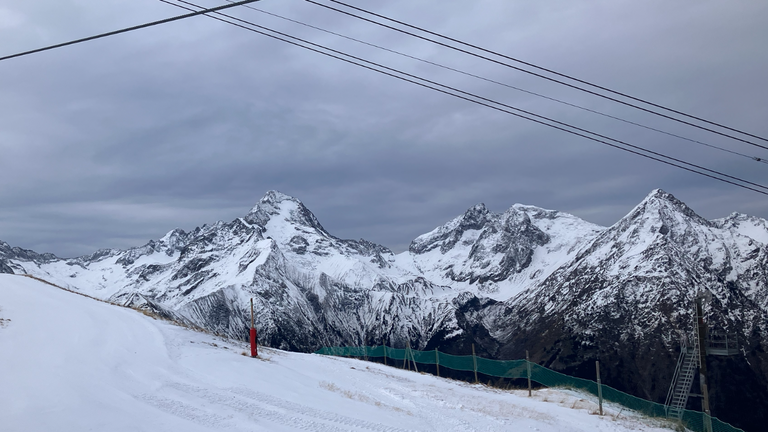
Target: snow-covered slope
[71,363]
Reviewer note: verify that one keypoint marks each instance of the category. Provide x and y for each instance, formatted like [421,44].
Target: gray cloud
[112,142]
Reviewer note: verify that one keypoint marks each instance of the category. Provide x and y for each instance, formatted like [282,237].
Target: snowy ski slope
[71,363]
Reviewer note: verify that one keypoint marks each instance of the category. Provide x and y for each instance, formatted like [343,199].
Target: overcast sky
[114,142]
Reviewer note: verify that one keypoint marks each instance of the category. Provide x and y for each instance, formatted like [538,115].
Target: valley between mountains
[568,291]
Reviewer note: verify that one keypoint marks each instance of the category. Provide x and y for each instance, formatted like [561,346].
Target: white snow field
[71,363]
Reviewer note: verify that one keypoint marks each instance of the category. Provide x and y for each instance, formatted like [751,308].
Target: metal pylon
[677,397]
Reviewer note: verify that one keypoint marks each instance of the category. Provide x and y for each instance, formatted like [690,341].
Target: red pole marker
[254,351]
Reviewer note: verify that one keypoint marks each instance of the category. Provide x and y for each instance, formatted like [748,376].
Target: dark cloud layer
[115,141]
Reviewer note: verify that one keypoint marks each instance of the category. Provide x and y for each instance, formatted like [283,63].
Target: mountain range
[528,279]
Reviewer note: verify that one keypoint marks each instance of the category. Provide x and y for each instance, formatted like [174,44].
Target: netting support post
[437,362]
[406,361]
[528,364]
[474,361]
[413,359]
[385,354]
[599,387]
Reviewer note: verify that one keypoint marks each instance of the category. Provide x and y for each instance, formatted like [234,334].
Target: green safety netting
[692,420]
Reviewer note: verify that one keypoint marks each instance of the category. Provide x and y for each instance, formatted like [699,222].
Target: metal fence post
[406,361]
[599,386]
[413,359]
[474,361]
[528,364]
[437,362]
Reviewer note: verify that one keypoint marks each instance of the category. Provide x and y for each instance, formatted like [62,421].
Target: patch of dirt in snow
[376,371]
[586,402]
[494,409]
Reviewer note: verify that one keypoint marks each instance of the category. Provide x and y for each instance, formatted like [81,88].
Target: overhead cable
[753,158]
[595,93]
[556,73]
[474,99]
[125,30]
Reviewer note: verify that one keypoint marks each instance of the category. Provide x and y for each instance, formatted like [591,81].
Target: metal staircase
[717,343]
[677,397]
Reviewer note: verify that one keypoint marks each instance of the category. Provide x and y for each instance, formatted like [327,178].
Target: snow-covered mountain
[526,279]
[650,262]
[498,255]
[625,297]
[313,289]
[309,287]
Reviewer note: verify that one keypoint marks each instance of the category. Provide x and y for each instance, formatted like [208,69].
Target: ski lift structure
[693,358]
[720,343]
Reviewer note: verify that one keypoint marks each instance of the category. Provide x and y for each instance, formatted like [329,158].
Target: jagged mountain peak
[656,224]
[446,236]
[274,197]
[661,204]
[273,201]
[518,219]
[753,227]
[7,251]
[737,218]
[660,197]
[174,237]
[540,214]
[515,215]
[476,210]
[496,253]
[475,218]
[279,208]
[535,211]
[660,214]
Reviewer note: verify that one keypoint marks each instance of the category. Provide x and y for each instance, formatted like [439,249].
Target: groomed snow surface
[71,363]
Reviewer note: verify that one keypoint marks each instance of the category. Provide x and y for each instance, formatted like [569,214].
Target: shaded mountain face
[568,291]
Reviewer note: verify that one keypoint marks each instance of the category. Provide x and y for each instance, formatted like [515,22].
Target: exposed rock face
[568,291]
[498,255]
[498,245]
